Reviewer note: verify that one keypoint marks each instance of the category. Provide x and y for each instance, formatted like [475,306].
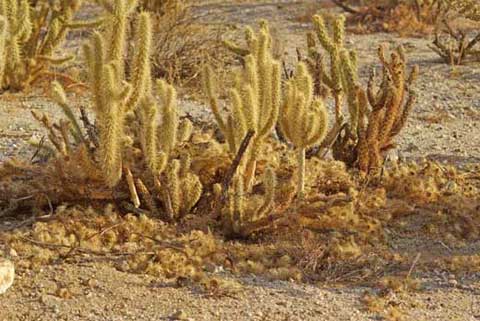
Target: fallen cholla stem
[131,187]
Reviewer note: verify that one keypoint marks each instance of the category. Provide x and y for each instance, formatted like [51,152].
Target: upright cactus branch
[255,98]
[140,68]
[303,120]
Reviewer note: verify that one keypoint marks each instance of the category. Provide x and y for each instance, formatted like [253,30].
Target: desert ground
[444,127]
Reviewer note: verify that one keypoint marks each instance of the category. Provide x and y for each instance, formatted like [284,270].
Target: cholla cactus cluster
[303,118]
[376,116]
[139,148]
[30,35]
[453,45]
[130,125]
[254,98]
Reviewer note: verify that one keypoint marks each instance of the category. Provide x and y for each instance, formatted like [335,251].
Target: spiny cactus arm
[149,110]
[339,30]
[412,97]
[392,111]
[270,183]
[248,84]
[140,72]
[239,125]
[57,30]
[362,145]
[111,123]
[322,33]
[373,130]
[287,113]
[372,95]
[396,83]
[40,21]
[317,64]
[85,24]
[304,83]
[21,28]
[210,87]
[349,79]
[185,164]
[191,192]
[169,126]
[315,128]
[317,120]
[274,99]
[404,116]
[95,58]
[173,186]
[60,98]
[264,65]
[236,213]
[116,25]
[252,41]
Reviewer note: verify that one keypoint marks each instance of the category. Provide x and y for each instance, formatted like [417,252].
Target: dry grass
[183,43]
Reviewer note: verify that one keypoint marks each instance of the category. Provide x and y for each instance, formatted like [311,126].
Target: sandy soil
[444,126]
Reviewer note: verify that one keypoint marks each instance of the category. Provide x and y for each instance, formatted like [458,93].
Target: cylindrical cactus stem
[141,75]
[301,173]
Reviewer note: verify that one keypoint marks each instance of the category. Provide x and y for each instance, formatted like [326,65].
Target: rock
[7,274]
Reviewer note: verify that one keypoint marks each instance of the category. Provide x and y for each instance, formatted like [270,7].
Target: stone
[7,274]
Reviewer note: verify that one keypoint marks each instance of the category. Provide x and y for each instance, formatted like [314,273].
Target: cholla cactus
[112,94]
[128,117]
[255,98]
[159,140]
[183,187]
[390,105]
[31,34]
[245,216]
[343,65]
[365,132]
[455,45]
[303,120]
